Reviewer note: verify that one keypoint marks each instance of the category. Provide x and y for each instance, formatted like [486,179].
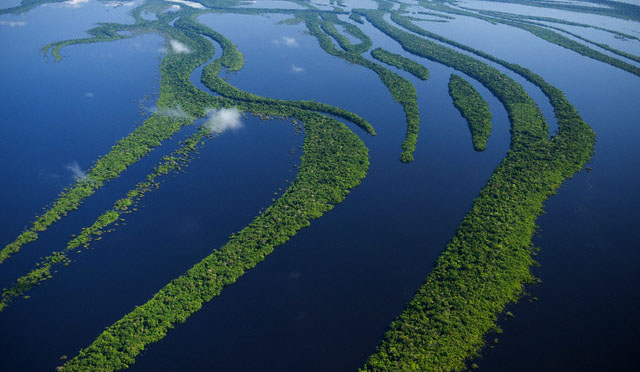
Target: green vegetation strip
[617,9]
[473,108]
[356,18]
[532,20]
[126,152]
[565,42]
[173,162]
[329,26]
[401,89]
[232,60]
[486,264]
[401,62]
[519,105]
[601,45]
[554,38]
[520,17]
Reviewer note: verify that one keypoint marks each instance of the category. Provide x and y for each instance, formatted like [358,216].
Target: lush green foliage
[356,18]
[565,42]
[473,108]
[434,14]
[553,37]
[487,262]
[400,88]
[232,60]
[516,100]
[555,20]
[328,25]
[104,32]
[615,9]
[401,62]
[126,152]
[601,45]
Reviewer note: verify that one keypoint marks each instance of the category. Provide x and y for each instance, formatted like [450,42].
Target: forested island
[473,108]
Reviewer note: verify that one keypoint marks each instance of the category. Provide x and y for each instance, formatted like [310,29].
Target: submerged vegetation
[473,108]
[482,269]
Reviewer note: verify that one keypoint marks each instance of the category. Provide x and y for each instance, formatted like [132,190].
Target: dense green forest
[401,62]
[473,108]
[401,89]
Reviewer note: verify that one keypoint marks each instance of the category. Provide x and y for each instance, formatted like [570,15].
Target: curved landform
[232,60]
[565,42]
[329,26]
[606,47]
[334,160]
[551,36]
[438,15]
[579,37]
[486,264]
[401,89]
[522,17]
[401,62]
[356,18]
[616,9]
[473,108]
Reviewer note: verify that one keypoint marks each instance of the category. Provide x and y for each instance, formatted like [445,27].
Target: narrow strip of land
[473,108]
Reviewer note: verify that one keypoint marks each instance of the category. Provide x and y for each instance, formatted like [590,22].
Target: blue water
[627,45]
[59,114]
[586,318]
[586,315]
[322,301]
[128,266]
